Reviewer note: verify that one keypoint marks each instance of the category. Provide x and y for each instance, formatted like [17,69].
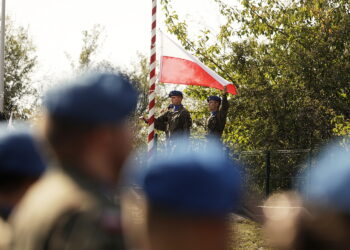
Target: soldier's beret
[19,153]
[101,98]
[327,183]
[175,93]
[214,98]
[195,182]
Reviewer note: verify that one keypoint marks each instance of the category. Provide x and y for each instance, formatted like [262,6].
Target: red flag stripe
[182,71]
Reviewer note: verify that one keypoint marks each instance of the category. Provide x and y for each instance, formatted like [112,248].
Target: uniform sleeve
[161,121]
[186,121]
[84,231]
[224,108]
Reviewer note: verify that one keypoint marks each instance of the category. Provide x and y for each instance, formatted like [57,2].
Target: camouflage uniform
[174,122]
[65,210]
[217,121]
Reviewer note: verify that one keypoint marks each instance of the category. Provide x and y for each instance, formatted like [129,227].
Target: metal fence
[276,170]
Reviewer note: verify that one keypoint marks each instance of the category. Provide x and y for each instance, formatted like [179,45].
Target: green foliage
[291,62]
[20,62]
[90,45]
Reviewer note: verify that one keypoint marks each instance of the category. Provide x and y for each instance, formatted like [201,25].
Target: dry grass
[247,235]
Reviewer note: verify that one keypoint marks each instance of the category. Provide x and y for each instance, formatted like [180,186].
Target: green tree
[291,63]
[20,61]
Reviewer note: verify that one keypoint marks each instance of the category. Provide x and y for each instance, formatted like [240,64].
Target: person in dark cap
[319,216]
[74,205]
[21,165]
[218,113]
[176,120]
[189,196]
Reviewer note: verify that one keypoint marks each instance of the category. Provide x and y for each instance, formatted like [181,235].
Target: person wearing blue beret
[218,113]
[176,120]
[318,217]
[21,165]
[74,205]
[189,196]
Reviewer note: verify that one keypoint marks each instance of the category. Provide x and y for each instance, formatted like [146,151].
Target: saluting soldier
[218,113]
[74,205]
[176,120]
[21,165]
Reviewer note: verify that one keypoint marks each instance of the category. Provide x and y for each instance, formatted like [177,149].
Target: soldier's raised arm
[224,105]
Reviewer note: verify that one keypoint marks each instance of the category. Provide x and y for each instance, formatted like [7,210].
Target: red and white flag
[179,67]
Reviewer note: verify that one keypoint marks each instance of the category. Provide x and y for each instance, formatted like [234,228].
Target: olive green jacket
[66,210]
[174,122]
[216,122]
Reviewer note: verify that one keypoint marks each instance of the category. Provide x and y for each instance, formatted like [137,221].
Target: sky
[56,26]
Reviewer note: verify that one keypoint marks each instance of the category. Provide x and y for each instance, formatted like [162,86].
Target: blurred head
[176,97]
[87,123]
[190,195]
[320,217]
[214,103]
[21,164]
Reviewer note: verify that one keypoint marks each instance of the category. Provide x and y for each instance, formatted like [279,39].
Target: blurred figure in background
[319,218]
[21,165]
[74,206]
[218,113]
[189,196]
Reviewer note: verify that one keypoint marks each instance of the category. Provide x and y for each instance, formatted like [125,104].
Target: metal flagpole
[152,86]
[2,57]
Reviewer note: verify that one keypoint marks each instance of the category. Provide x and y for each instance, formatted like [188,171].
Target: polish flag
[179,67]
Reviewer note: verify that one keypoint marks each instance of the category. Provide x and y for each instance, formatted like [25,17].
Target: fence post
[267,173]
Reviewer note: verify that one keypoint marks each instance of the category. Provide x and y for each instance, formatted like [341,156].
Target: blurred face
[192,234]
[213,105]
[176,100]
[121,144]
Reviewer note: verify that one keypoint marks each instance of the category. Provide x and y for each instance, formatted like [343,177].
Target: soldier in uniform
[21,165]
[218,112]
[189,196]
[74,205]
[176,120]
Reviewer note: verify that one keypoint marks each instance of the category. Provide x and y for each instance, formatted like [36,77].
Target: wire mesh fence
[270,171]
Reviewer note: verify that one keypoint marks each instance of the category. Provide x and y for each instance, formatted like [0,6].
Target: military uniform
[65,210]
[175,122]
[217,120]
[69,208]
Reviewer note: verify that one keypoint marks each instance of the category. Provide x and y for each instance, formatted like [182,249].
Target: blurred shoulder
[51,197]
[5,233]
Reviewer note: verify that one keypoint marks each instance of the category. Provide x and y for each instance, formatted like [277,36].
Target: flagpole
[152,84]
[2,57]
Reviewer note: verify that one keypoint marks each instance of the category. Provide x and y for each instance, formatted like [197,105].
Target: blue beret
[175,93]
[19,154]
[196,182]
[328,183]
[95,99]
[214,98]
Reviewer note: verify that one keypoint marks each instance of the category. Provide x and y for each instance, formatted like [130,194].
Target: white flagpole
[2,57]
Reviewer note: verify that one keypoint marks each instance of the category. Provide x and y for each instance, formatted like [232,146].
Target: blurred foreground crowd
[74,183]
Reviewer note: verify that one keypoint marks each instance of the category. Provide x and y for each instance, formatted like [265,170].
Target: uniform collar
[213,113]
[177,107]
